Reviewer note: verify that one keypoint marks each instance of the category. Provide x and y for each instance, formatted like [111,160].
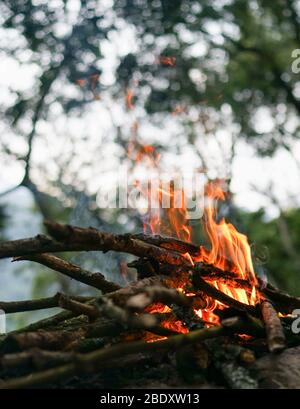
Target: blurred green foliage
[275,252]
[241,48]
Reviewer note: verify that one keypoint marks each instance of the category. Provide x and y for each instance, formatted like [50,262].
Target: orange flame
[166,198]
[142,152]
[167,217]
[178,216]
[229,249]
[145,150]
[129,97]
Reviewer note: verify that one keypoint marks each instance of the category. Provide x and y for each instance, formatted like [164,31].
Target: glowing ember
[175,325]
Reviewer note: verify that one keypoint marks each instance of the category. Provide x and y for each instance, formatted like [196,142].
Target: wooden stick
[96,280]
[283,302]
[93,362]
[150,295]
[31,305]
[62,338]
[78,308]
[120,296]
[169,243]
[149,322]
[36,357]
[274,330]
[231,282]
[213,292]
[52,340]
[70,238]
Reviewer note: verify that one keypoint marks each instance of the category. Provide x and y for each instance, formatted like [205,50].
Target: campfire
[184,294]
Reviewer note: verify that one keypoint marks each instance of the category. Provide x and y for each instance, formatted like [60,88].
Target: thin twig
[78,308]
[96,280]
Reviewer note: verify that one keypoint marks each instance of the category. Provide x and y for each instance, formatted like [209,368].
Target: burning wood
[182,296]
[131,306]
